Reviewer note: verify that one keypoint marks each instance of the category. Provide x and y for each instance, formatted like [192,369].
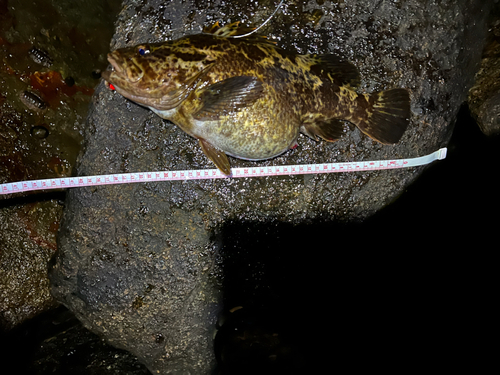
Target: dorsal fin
[341,72]
[231,29]
[236,30]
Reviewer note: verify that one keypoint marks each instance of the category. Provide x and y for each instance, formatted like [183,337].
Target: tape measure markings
[127,178]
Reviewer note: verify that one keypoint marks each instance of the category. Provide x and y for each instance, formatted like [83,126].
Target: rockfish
[245,97]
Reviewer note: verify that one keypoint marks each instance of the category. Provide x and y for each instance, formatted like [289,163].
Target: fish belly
[245,138]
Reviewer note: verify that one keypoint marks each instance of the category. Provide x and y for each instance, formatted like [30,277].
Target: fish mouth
[107,75]
[117,69]
[113,59]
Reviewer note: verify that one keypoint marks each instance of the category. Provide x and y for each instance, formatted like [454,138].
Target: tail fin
[387,117]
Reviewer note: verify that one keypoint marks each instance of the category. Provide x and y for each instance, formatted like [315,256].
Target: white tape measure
[201,174]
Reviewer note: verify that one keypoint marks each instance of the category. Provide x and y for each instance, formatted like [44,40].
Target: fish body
[247,98]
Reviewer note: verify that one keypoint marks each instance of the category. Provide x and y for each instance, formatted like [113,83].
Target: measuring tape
[202,174]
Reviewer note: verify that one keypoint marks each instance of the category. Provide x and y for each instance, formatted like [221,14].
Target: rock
[41,116]
[55,342]
[484,96]
[488,115]
[148,266]
[27,243]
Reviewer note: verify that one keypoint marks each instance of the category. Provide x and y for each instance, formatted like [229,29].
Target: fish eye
[143,51]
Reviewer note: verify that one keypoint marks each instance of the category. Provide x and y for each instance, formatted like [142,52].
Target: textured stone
[27,243]
[55,342]
[484,96]
[48,49]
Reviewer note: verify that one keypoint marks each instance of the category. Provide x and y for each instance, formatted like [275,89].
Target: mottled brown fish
[247,98]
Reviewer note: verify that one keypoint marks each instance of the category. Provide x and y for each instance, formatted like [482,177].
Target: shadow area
[299,298]
[388,293]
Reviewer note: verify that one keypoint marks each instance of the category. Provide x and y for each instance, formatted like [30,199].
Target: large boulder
[148,266]
[47,55]
[484,96]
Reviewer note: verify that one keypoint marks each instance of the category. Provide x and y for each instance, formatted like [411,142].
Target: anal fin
[329,130]
[218,157]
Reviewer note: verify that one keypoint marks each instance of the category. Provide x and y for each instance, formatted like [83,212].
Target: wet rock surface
[48,50]
[55,342]
[151,266]
[484,96]
[27,243]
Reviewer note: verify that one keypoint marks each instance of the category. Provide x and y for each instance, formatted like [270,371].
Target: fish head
[154,75]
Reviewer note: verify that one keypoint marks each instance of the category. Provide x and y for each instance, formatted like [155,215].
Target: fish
[241,95]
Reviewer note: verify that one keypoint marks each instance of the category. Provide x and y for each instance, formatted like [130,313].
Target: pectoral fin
[329,130]
[228,96]
[217,156]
